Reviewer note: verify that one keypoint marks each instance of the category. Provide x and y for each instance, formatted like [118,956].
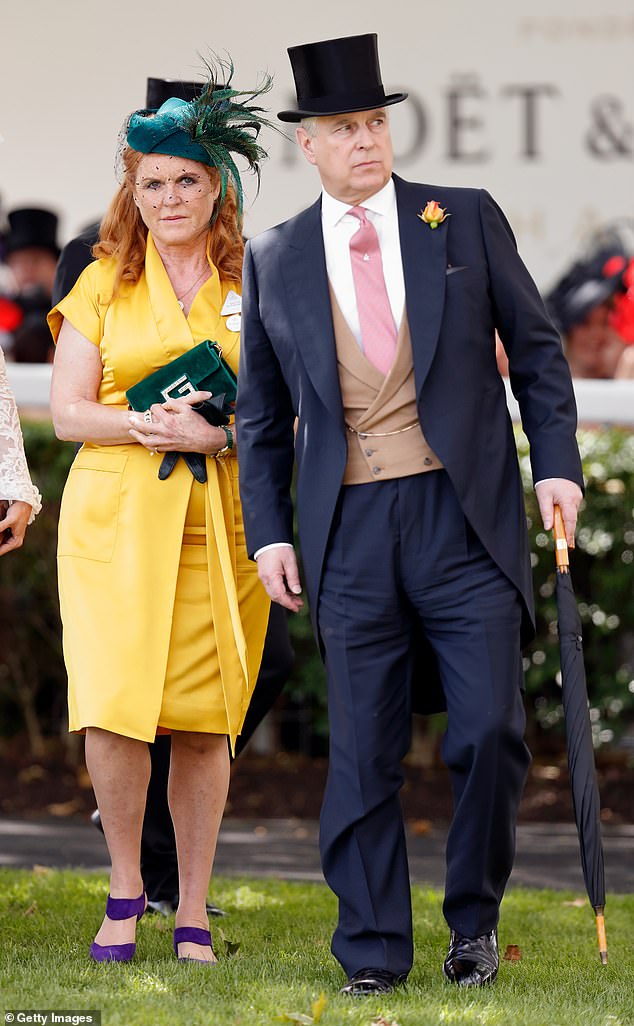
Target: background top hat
[337,76]
[159,90]
[31,228]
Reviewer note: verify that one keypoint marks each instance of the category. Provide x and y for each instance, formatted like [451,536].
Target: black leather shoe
[472,961]
[95,819]
[367,982]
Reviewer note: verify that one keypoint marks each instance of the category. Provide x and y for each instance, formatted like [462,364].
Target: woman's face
[175,198]
[593,347]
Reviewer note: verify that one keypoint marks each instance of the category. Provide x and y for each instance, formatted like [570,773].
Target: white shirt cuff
[273,545]
[544,479]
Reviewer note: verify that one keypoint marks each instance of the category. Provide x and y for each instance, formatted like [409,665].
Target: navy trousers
[402,556]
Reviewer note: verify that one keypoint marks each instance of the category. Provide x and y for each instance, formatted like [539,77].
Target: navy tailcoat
[463,281]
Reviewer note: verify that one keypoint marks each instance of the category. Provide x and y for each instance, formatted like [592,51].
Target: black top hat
[31,228]
[337,76]
[161,89]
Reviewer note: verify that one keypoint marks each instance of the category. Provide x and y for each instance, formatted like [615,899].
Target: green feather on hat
[210,129]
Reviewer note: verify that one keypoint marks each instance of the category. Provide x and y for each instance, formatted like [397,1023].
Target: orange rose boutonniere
[433,215]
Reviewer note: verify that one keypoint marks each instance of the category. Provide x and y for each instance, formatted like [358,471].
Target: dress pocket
[89,513]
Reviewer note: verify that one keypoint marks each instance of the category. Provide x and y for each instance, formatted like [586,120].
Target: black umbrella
[581,768]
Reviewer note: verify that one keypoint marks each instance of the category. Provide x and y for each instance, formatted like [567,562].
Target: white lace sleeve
[15,481]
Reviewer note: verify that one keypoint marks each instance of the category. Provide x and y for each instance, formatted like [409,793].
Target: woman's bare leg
[119,769]
[198,786]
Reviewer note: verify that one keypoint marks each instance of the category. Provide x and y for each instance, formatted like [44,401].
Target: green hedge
[32,674]
[33,681]
[602,568]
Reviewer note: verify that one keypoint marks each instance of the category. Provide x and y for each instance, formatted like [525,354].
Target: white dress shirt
[338,227]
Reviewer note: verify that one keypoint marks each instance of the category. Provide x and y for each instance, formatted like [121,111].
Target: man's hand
[567,495]
[277,569]
[13,519]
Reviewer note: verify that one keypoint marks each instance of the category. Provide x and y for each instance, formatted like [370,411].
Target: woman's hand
[13,519]
[174,427]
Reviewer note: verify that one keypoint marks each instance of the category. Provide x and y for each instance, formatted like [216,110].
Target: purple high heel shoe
[119,908]
[192,935]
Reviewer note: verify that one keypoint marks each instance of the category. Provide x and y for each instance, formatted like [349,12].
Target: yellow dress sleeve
[86,304]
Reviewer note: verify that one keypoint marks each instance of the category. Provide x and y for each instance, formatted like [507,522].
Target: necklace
[179,299]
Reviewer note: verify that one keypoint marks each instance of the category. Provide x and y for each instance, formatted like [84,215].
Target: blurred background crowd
[28,253]
[592,305]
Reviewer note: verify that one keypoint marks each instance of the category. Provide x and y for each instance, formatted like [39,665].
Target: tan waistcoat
[385,439]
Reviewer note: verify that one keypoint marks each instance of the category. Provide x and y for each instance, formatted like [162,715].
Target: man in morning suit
[370,319]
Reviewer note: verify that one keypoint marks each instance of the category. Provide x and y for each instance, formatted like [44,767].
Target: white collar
[383,201]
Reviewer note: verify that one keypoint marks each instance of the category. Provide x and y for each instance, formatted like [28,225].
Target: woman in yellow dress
[163,615]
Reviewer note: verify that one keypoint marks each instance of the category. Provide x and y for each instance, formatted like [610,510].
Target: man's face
[352,152]
[32,268]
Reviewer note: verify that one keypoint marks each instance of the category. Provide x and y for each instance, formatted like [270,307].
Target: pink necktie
[378,330]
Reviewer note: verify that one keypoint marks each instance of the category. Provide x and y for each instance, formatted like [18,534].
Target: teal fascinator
[221,123]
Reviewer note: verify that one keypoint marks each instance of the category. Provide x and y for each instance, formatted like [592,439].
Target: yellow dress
[163,614]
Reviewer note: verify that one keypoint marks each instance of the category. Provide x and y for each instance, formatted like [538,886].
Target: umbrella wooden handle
[561,546]
[603,944]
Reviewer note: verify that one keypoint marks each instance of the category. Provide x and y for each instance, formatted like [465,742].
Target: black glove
[211,410]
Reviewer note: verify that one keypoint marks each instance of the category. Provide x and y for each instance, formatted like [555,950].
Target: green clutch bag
[200,369]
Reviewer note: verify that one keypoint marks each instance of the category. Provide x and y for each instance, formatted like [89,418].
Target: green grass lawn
[275,961]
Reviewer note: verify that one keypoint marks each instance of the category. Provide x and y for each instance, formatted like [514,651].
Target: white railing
[598,402]
[606,402]
[31,384]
